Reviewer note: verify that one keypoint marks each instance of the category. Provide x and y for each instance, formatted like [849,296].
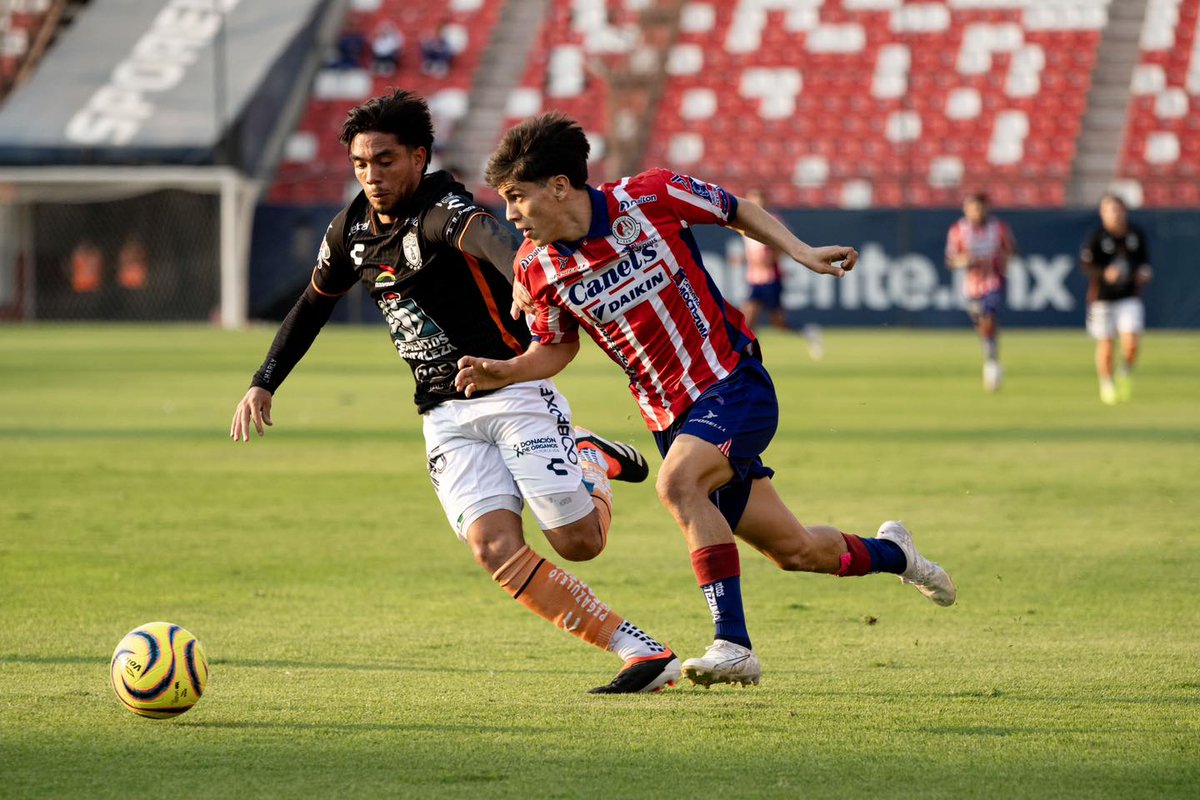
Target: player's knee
[491,552]
[579,541]
[676,490]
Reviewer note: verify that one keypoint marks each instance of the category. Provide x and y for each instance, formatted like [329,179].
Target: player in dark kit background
[439,267]
[1116,260]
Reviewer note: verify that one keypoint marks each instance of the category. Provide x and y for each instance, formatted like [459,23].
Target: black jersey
[440,302]
[1102,250]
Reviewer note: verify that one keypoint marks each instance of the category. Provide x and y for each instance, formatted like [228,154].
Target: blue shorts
[739,415]
[987,306]
[767,295]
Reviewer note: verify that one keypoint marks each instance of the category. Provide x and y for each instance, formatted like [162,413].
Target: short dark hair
[403,114]
[538,149]
[977,197]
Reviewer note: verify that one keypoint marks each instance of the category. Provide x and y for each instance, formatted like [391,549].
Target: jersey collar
[601,224]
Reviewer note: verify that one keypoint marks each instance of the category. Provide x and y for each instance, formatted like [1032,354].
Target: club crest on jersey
[412,250]
[625,229]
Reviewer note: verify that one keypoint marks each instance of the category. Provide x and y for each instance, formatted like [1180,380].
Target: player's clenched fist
[834,260]
[479,375]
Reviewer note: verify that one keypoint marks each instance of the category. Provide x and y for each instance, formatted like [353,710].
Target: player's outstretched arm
[539,361]
[254,408]
[292,340]
[756,223]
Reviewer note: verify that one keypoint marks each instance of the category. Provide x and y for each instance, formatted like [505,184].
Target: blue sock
[885,556]
[725,602]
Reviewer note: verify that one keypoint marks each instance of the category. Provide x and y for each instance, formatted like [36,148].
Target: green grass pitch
[357,651]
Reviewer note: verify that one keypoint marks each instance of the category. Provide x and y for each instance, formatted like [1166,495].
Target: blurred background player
[1116,260]
[440,268]
[764,281]
[620,262]
[981,244]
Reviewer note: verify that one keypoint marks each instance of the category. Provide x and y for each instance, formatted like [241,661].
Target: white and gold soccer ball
[159,670]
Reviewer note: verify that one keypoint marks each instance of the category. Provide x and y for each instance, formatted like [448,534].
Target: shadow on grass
[298,664]
[18,659]
[1164,435]
[352,727]
[215,434]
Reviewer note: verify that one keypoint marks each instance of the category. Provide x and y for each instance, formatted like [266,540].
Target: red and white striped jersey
[637,285]
[989,245]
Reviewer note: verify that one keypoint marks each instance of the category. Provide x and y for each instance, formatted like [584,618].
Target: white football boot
[724,662]
[929,578]
[816,343]
[993,376]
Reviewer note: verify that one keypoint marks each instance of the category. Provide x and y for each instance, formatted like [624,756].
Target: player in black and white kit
[439,267]
[1116,259]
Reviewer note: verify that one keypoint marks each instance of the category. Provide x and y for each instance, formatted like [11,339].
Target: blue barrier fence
[901,278]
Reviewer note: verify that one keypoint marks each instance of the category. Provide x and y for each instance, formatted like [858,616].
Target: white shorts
[488,452]
[1107,318]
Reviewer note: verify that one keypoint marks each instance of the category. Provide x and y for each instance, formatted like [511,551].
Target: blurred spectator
[86,268]
[387,48]
[133,266]
[436,55]
[351,48]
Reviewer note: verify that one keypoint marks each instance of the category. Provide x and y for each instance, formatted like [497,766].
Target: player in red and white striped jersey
[981,245]
[672,344]
[620,262]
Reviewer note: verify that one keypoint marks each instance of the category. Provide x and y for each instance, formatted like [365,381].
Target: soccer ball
[159,670]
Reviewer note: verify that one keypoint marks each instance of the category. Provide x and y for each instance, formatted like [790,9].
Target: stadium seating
[1161,151]
[878,102]
[20,23]
[844,103]
[579,44]
[314,169]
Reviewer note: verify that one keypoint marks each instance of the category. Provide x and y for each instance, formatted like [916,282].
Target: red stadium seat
[838,117]
[323,117]
[1170,182]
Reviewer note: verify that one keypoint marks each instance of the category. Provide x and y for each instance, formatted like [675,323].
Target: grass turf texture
[356,649]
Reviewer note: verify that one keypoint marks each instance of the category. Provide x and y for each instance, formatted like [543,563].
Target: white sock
[630,641]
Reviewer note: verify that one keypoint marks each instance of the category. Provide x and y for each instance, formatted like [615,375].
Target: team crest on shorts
[412,250]
[625,229]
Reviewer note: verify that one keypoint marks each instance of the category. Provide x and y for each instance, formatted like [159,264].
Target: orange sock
[558,596]
[595,477]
